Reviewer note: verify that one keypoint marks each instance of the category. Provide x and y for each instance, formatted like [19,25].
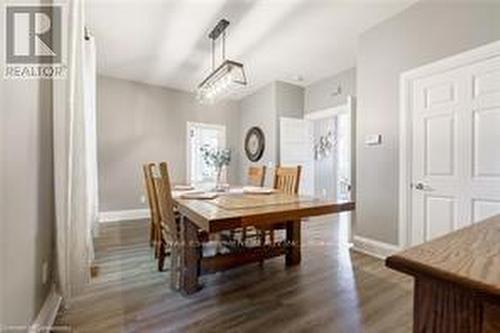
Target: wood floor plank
[332,290]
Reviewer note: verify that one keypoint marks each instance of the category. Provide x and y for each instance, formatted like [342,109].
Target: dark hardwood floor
[332,290]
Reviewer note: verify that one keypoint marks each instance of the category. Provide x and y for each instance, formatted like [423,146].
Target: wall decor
[324,146]
[254,144]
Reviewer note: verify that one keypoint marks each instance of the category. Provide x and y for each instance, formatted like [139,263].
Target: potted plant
[216,158]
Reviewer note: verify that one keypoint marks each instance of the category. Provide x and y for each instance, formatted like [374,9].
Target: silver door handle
[421,186]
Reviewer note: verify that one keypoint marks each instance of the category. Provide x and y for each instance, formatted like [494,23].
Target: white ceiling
[165,43]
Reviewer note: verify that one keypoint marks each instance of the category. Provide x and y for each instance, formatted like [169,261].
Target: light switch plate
[373,139]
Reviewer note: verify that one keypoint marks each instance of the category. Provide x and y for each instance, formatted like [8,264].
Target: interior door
[483,134]
[296,148]
[455,155]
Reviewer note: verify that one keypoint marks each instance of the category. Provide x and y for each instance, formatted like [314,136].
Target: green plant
[216,158]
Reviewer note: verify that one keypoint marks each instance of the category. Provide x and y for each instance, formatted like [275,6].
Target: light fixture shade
[227,78]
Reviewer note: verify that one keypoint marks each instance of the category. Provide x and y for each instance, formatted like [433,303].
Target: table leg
[174,269]
[190,257]
[293,242]
[443,307]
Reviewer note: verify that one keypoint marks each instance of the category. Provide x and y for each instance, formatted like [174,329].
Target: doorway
[322,143]
[333,134]
[198,136]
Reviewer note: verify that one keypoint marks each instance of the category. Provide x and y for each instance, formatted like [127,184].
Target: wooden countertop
[469,257]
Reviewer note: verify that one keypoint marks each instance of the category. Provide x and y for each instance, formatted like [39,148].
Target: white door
[456,149]
[199,135]
[296,148]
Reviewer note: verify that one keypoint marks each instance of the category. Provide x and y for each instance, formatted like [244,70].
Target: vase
[219,185]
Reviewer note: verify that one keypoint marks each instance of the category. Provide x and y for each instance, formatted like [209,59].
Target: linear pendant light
[227,77]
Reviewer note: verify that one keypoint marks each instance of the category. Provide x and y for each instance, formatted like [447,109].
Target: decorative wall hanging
[254,144]
[324,146]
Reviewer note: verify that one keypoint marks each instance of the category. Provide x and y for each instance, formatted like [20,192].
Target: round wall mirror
[254,144]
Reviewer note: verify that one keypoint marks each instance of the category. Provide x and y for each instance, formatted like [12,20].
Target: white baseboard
[374,248]
[123,215]
[47,315]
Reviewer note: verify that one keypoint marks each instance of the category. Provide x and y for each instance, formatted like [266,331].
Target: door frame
[348,107]
[190,124]
[406,82]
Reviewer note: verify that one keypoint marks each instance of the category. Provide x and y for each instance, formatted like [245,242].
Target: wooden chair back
[169,234]
[149,170]
[287,179]
[166,203]
[256,175]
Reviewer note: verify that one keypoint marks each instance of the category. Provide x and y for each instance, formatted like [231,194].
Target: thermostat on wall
[373,140]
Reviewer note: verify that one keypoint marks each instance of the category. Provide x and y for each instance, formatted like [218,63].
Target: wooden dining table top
[469,257]
[237,209]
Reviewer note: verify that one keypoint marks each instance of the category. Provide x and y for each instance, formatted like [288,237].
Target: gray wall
[263,108]
[289,100]
[27,205]
[137,123]
[319,95]
[424,33]
[259,109]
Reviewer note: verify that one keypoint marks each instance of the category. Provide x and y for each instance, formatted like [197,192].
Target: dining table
[236,208]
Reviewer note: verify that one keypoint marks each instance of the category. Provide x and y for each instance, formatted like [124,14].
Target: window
[199,135]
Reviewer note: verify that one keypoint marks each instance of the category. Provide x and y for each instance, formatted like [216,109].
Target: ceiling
[165,43]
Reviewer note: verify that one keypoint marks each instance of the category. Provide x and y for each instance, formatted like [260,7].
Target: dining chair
[168,224]
[149,170]
[256,175]
[287,179]
[170,239]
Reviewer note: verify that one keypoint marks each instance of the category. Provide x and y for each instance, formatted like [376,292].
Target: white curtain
[75,161]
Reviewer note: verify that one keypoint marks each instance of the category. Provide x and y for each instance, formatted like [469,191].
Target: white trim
[404,216]
[124,215]
[405,134]
[374,248]
[47,315]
